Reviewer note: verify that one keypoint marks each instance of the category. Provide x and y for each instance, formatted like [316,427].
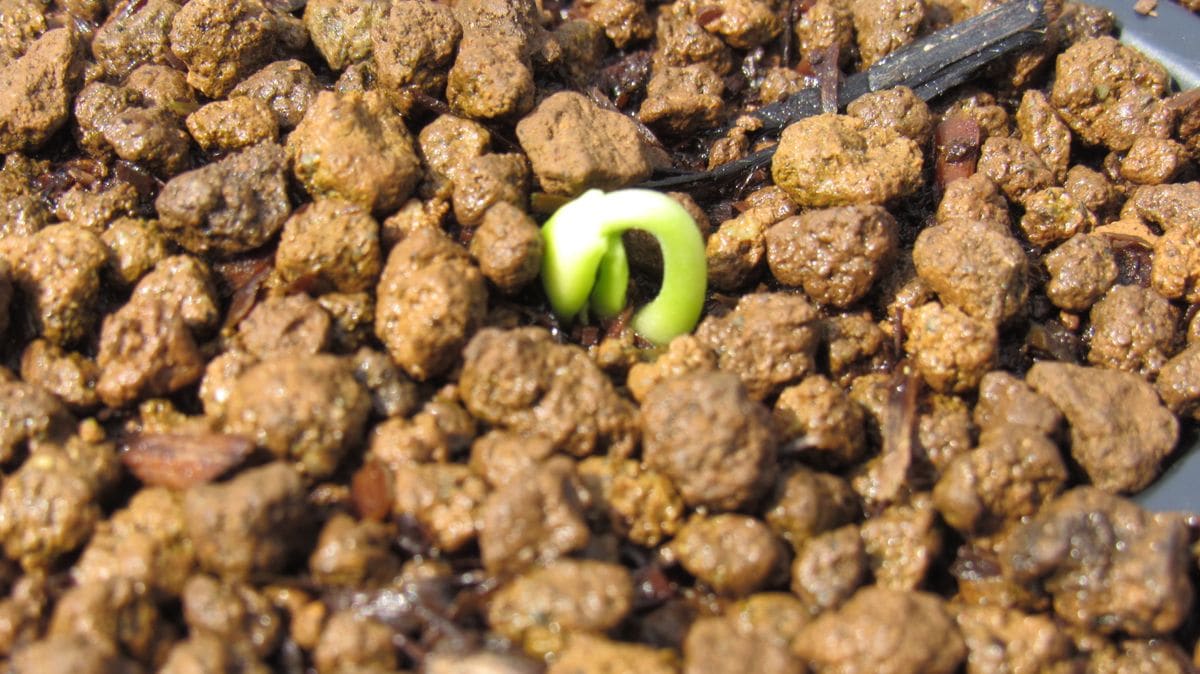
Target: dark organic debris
[930,67]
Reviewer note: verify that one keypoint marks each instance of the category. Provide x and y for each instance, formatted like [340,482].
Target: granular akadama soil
[280,390]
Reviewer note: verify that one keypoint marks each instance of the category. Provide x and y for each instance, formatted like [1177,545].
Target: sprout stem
[585,265]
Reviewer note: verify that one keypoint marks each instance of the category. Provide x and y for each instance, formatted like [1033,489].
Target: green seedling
[584,265]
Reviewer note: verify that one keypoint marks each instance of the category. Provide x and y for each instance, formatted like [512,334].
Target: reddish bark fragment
[709,14]
[236,274]
[1134,260]
[1186,106]
[900,425]
[371,492]
[178,461]
[957,141]
[243,279]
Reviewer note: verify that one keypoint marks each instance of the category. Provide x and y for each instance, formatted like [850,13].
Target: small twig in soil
[790,14]
[428,102]
[720,174]
[930,66]
[825,65]
[951,55]
[899,429]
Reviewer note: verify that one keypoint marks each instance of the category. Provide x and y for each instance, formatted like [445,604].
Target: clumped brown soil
[280,391]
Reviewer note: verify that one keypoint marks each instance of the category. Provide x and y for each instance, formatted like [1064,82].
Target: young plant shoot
[584,265]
